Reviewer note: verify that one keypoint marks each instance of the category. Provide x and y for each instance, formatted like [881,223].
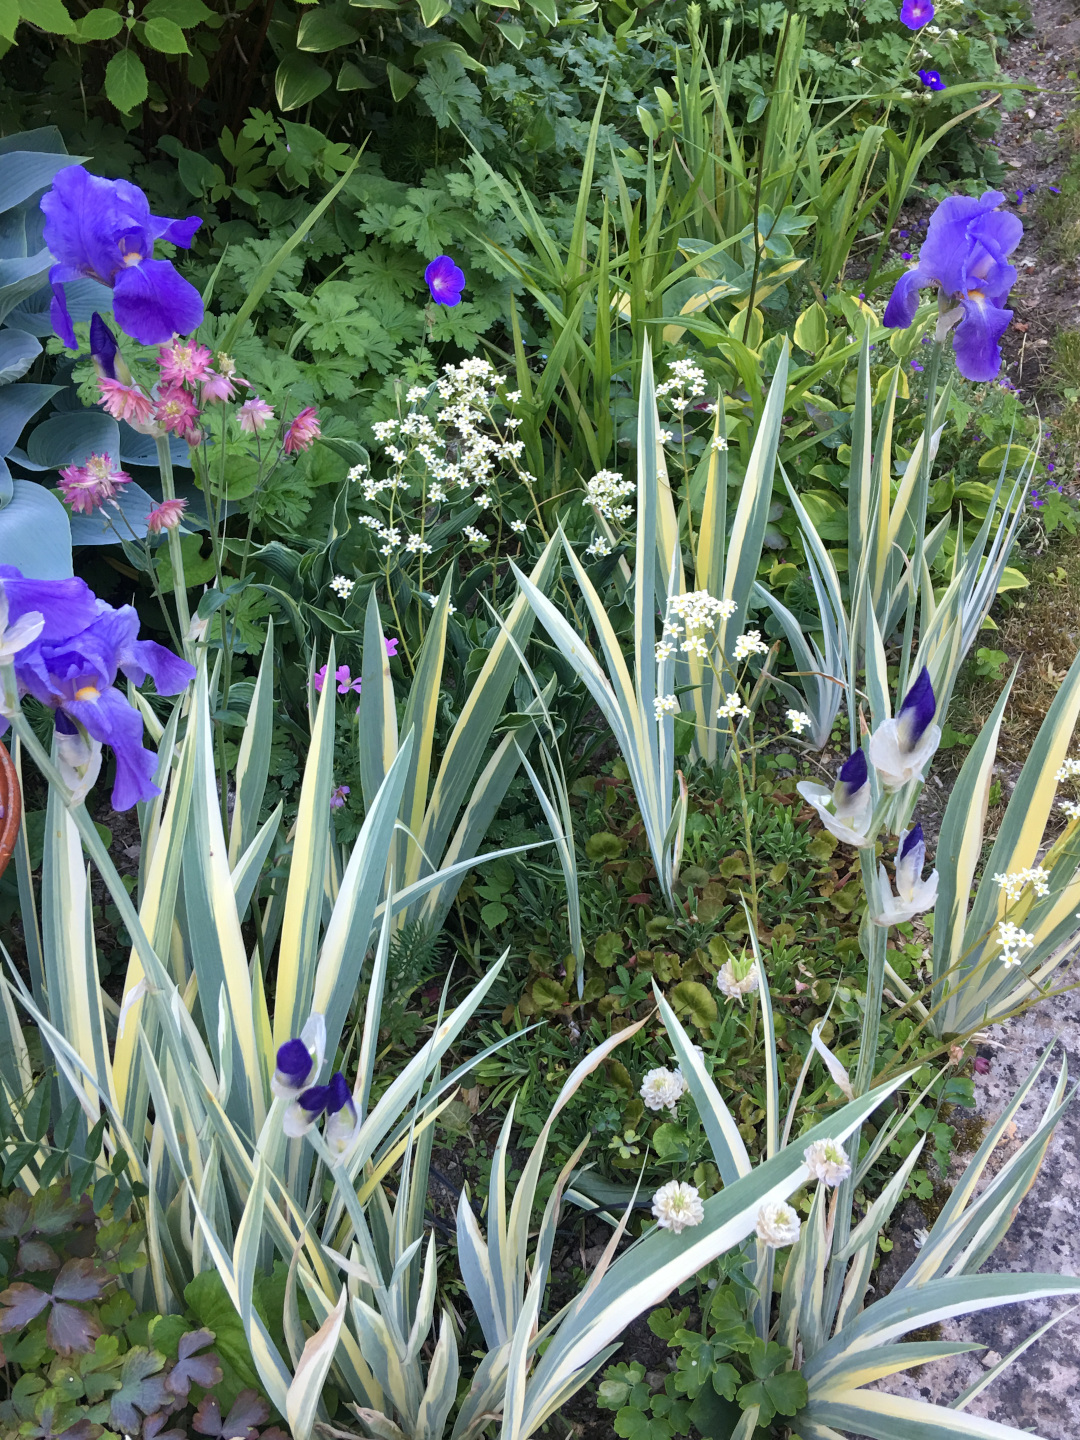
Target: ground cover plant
[535,775]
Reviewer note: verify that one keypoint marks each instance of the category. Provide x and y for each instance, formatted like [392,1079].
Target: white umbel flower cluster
[1012,940]
[662,1089]
[606,490]
[733,708]
[750,644]
[1016,883]
[665,705]
[677,1206]
[685,383]
[827,1162]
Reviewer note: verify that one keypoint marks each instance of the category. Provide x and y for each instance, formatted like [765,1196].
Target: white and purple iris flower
[103,230]
[913,893]
[846,809]
[965,257]
[299,1060]
[901,748]
[71,664]
[445,281]
[335,1101]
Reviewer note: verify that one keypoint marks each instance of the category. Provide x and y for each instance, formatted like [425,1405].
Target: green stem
[176,555]
[921,497]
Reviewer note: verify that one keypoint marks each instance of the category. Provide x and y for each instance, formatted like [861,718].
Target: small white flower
[384,429]
[732,708]
[415,546]
[1012,940]
[664,649]
[357,472]
[474,536]
[664,705]
[799,721]
[1015,884]
[827,1161]
[342,586]
[719,443]
[662,1089]
[1071,808]
[665,436]
[600,546]
[677,1206]
[605,490]
[1068,771]
[777,1225]
[750,644]
[513,396]
[519,526]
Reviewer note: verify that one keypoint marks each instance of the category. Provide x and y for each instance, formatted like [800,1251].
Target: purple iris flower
[932,79]
[72,665]
[916,13]
[445,281]
[103,229]
[335,1101]
[901,748]
[965,257]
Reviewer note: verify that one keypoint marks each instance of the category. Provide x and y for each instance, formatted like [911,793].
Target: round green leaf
[692,999]
[166,36]
[299,80]
[99,25]
[125,81]
[34,533]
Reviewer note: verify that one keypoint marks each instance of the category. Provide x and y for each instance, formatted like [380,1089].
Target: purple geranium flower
[916,13]
[965,257]
[931,79]
[445,281]
[72,665]
[103,229]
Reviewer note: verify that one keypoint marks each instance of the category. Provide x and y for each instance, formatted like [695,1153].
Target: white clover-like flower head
[662,1088]
[737,978]
[827,1162]
[777,1225]
[677,1206]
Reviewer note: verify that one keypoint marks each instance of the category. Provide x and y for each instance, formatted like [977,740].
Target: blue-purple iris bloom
[931,79]
[901,748]
[335,1101]
[445,281]
[913,893]
[965,256]
[103,230]
[73,663]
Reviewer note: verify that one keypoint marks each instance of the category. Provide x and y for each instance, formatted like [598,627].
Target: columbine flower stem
[176,555]
[922,491]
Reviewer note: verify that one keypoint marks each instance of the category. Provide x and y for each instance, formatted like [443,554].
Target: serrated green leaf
[165,36]
[184,13]
[48,15]
[99,25]
[125,81]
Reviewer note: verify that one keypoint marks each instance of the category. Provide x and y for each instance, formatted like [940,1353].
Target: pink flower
[182,362]
[219,384]
[254,415]
[87,487]
[303,431]
[345,682]
[176,411]
[982,1065]
[165,516]
[337,797]
[391,647]
[125,402]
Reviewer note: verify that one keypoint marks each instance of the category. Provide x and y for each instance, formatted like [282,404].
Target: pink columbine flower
[183,362]
[344,679]
[125,402]
[87,487]
[255,414]
[303,431]
[221,383]
[337,797]
[165,516]
[176,411]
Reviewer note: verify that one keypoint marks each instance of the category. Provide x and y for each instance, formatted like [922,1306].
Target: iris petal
[152,302]
[976,341]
